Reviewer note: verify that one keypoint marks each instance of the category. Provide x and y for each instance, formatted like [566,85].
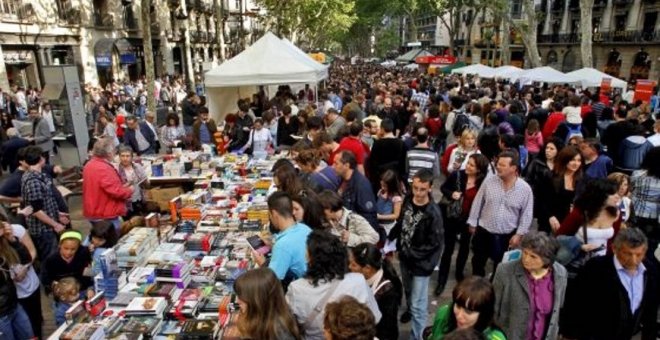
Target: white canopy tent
[543,74]
[269,61]
[506,71]
[590,77]
[478,69]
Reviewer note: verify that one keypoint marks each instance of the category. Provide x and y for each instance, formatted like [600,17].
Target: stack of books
[96,305]
[200,329]
[145,326]
[176,273]
[132,249]
[83,331]
[200,242]
[146,306]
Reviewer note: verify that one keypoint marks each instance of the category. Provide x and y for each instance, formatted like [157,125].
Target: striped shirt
[421,158]
[501,212]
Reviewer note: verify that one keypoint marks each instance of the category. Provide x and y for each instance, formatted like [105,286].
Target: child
[69,261]
[389,200]
[101,237]
[533,138]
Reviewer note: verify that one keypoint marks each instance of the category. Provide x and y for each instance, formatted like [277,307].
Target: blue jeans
[15,325]
[417,297]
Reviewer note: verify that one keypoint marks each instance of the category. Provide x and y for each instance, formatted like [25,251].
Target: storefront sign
[18,57]
[127,58]
[644,90]
[103,61]
[436,60]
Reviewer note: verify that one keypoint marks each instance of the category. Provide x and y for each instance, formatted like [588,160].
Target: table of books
[173,278]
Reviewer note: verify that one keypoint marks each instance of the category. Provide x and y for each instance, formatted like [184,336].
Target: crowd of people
[551,192]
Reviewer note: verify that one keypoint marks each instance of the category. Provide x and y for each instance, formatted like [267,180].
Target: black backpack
[461,122]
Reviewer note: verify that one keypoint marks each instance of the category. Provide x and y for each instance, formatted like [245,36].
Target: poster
[643,90]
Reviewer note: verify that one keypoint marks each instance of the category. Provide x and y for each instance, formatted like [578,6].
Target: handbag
[455,207]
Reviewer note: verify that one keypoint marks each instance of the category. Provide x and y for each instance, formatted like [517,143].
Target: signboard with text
[436,60]
[103,61]
[643,90]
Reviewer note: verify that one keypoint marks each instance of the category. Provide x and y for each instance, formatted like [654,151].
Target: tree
[527,28]
[148,53]
[311,22]
[586,8]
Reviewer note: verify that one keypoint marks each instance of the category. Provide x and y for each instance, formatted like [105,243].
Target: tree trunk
[505,55]
[148,54]
[189,71]
[529,35]
[586,15]
[220,29]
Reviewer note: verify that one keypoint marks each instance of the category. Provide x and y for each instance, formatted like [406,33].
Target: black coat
[359,198]
[388,298]
[427,240]
[386,154]
[604,305]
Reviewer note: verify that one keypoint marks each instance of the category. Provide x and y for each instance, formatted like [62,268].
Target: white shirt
[152,129]
[302,297]
[655,139]
[48,116]
[30,283]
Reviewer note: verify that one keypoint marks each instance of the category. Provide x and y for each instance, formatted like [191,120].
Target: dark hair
[202,110]
[286,110]
[329,199]
[322,138]
[367,254]
[355,128]
[650,162]
[281,203]
[482,164]
[424,176]
[20,154]
[557,142]
[172,116]
[456,102]
[474,293]
[387,125]
[280,163]
[541,244]
[348,319]
[511,154]
[348,157]
[391,179]
[313,216]
[309,156]
[288,180]
[33,155]
[607,114]
[327,257]
[594,196]
[314,123]
[422,134]
[104,230]
[564,157]
[267,313]
[434,111]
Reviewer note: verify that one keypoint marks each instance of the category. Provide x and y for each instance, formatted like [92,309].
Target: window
[595,24]
[620,22]
[9,7]
[238,4]
[516,9]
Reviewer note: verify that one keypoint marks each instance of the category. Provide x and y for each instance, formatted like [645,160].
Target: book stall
[173,278]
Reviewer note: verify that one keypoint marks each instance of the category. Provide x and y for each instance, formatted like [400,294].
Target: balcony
[569,38]
[203,37]
[70,16]
[574,5]
[459,42]
[131,24]
[620,37]
[194,36]
[600,4]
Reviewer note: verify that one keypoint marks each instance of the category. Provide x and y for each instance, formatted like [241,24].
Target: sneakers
[405,317]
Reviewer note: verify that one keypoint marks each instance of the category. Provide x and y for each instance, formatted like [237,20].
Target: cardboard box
[162,196]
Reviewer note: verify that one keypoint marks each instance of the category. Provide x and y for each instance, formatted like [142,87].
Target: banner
[436,60]
[643,90]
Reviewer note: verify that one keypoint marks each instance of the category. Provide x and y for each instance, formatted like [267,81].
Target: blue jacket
[599,168]
[130,140]
[359,198]
[632,151]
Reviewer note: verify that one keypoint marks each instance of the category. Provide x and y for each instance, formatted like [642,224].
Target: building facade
[104,37]
[626,37]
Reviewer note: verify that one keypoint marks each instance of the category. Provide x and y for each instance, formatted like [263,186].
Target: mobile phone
[258,245]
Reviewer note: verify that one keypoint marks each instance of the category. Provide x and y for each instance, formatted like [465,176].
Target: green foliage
[387,40]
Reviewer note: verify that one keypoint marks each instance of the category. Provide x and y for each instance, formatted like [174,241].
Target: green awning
[447,69]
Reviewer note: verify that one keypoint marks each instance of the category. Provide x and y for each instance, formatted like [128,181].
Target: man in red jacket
[104,194]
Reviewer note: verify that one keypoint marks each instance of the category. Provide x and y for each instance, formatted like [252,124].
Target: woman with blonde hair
[467,145]
[264,313]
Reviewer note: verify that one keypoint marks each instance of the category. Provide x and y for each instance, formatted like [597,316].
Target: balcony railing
[103,20]
[622,2]
[631,37]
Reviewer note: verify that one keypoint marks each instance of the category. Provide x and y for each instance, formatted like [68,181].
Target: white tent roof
[590,77]
[304,57]
[268,61]
[478,69]
[506,71]
[543,74]
[412,54]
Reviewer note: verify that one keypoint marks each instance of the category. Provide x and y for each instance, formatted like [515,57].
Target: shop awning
[52,91]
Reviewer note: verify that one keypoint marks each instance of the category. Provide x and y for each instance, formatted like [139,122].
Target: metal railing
[636,37]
